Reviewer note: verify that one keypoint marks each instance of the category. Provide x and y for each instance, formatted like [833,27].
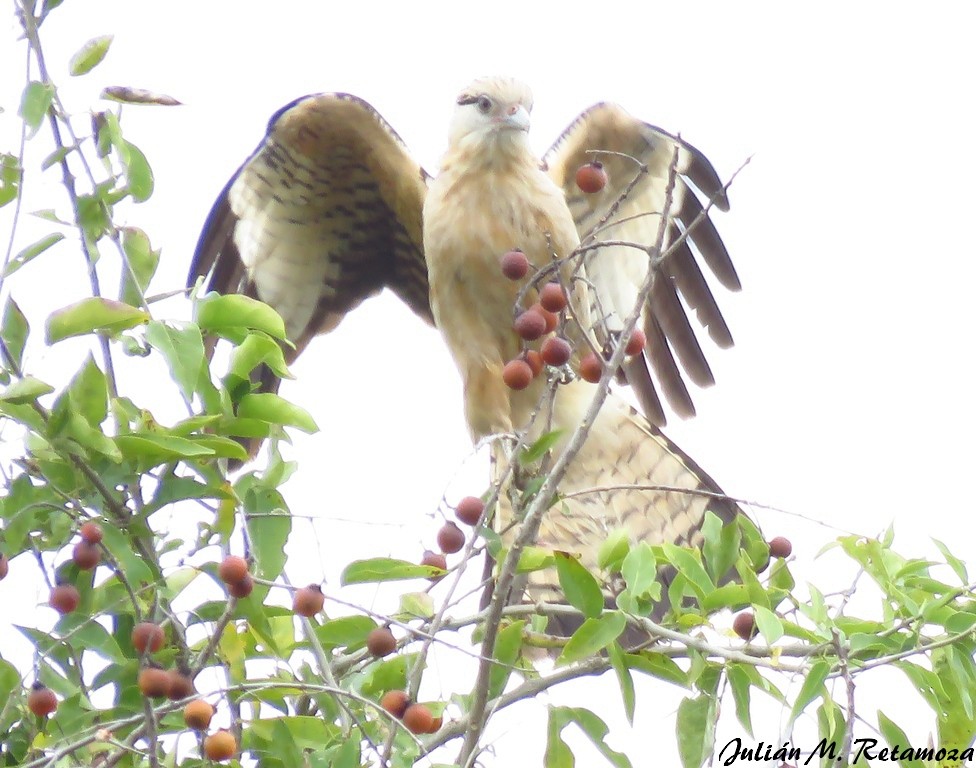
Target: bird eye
[484,105]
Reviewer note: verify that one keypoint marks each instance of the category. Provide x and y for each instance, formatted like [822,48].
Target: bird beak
[516,117]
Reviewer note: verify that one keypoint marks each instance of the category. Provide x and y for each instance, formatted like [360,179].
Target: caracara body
[490,197]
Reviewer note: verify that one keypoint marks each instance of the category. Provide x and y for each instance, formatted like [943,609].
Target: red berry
[591,177]
[241,589]
[4,566]
[147,635]
[64,598]
[180,686]
[395,702]
[551,318]
[450,538]
[232,569]
[636,343]
[220,745]
[530,325]
[780,547]
[308,600]
[534,359]
[552,297]
[435,559]
[381,642]
[418,719]
[197,714]
[591,368]
[514,265]
[86,555]
[41,700]
[91,532]
[469,510]
[153,682]
[517,374]
[556,351]
[744,625]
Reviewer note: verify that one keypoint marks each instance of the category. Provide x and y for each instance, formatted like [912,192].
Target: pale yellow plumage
[492,196]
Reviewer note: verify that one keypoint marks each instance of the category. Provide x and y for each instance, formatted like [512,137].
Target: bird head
[492,112]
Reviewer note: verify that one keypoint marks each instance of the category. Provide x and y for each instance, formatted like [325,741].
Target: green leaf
[558,753]
[660,666]
[268,524]
[141,264]
[769,624]
[579,586]
[138,173]
[25,390]
[593,636]
[721,546]
[31,252]
[14,331]
[532,453]
[88,393]
[741,687]
[958,567]
[224,315]
[159,448]
[126,95]
[896,738]
[182,349]
[92,315]
[624,679]
[89,55]
[257,348]
[508,644]
[347,631]
[266,406]
[416,605]
[10,176]
[613,550]
[695,729]
[35,103]
[690,567]
[812,688]
[639,570]
[379,569]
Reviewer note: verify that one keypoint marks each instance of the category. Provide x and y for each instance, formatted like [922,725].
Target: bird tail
[627,477]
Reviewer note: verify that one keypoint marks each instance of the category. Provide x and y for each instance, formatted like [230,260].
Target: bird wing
[616,272]
[325,213]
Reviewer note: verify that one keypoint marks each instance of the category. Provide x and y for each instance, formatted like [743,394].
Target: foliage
[307,690]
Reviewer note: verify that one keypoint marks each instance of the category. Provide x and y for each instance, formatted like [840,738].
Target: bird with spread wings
[332,209]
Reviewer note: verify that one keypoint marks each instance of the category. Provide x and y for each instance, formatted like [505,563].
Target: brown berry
[556,351]
[780,547]
[91,532]
[145,635]
[436,724]
[635,345]
[418,719]
[233,569]
[469,510]
[552,297]
[64,598]
[381,642]
[744,625]
[517,374]
[435,559]
[551,318]
[242,588]
[220,745]
[395,702]
[197,714]
[591,368]
[180,686]
[591,177]
[4,566]
[153,682]
[514,265]
[308,600]
[450,538]
[530,325]
[534,359]
[86,555]
[41,700]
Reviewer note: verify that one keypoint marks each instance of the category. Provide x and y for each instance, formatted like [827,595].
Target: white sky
[848,397]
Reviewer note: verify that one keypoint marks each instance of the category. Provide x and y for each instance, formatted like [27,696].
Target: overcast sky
[849,395]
